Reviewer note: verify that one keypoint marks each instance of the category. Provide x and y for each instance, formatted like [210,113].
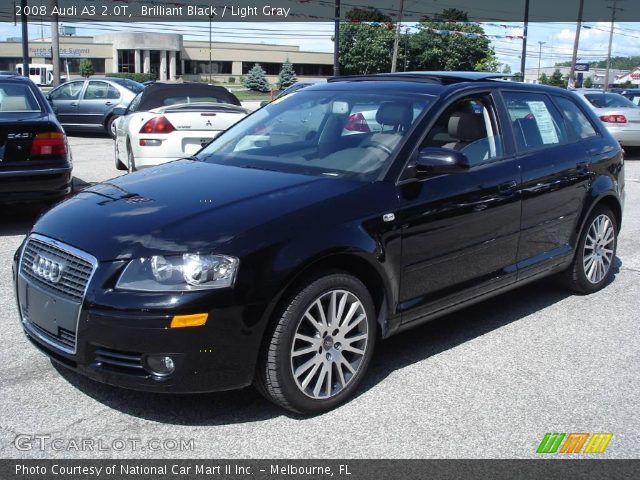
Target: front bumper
[112,345]
[35,185]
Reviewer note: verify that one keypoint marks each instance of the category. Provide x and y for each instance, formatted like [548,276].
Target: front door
[65,100]
[98,98]
[460,230]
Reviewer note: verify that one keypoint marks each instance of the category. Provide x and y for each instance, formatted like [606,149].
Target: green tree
[366,43]
[434,47]
[287,76]
[587,82]
[256,79]
[86,67]
[544,79]
[627,84]
[557,80]
[506,69]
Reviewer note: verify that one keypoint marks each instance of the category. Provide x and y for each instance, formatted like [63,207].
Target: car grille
[126,362]
[75,276]
[65,339]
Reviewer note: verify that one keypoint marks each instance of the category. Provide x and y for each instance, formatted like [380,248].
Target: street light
[540,58]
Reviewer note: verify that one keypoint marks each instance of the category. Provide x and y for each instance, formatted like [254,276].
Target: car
[632,94]
[293,88]
[281,262]
[35,159]
[619,114]
[168,121]
[88,105]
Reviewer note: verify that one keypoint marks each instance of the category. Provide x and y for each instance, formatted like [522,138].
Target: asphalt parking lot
[487,382]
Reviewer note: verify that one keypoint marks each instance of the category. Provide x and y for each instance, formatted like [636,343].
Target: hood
[182,206]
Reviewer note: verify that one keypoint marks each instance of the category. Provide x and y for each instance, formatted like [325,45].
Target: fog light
[160,365]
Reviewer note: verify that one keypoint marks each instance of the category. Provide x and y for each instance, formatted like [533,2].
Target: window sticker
[545,121]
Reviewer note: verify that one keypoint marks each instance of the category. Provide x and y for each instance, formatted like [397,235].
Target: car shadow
[18,218]
[394,354]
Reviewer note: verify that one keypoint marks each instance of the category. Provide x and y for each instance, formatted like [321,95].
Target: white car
[168,121]
[619,114]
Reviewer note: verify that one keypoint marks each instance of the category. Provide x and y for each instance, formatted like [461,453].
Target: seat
[14,104]
[399,117]
[465,128]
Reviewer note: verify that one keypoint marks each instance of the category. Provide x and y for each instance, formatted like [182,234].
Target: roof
[14,76]
[435,77]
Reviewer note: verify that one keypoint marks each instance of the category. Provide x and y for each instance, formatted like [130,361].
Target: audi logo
[47,268]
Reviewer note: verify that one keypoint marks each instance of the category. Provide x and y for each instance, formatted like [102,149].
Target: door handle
[507,188]
[108,103]
[74,104]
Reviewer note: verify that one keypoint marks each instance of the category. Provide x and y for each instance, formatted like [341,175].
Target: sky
[558,38]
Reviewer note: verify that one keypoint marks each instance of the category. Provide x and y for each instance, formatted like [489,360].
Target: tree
[587,82]
[544,79]
[449,42]
[627,84]
[256,79]
[506,69]
[556,79]
[86,67]
[366,43]
[287,76]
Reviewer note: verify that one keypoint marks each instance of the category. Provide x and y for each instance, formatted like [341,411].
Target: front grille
[65,340]
[75,275]
[126,362]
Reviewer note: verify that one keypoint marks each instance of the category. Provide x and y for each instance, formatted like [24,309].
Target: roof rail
[433,77]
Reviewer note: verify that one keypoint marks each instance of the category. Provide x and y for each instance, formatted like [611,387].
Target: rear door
[98,98]
[65,100]
[554,180]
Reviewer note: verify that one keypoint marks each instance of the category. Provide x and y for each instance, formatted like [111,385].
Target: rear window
[576,118]
[15,98]
[608,100]
[132,85]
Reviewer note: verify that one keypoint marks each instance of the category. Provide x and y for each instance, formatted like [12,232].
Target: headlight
[179,273]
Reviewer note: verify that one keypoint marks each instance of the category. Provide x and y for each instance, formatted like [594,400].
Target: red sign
[635,75]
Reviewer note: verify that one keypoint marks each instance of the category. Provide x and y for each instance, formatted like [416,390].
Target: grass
[244,95]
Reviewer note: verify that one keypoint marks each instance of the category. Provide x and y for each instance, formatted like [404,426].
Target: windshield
[608,100]
[331,133]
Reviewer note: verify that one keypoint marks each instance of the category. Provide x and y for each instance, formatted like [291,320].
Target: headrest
[396,114]
[467,126]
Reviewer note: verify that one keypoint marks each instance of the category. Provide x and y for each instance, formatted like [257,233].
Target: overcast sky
[558,37]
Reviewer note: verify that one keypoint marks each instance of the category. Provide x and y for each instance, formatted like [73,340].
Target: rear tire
[111,127]
[592,266]
[315,359]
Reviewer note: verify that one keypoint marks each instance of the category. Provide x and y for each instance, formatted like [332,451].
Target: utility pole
[576,41]
[396,41]
[25,39]
[210,18]
[539,59]
[55,47]
[336,41]
[523,58]
[613,19]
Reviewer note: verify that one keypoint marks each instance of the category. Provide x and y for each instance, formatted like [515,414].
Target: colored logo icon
[573,442]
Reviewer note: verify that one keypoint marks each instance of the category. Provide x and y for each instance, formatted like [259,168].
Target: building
[597,75]
[633,77]
[168,56]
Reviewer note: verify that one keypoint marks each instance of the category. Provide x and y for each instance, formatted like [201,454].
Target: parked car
[619,114]
[35,160]
[88,105]
[282,262]
[168,121]
[633,94]
[293,88]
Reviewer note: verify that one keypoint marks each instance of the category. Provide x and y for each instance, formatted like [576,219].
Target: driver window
[469,126]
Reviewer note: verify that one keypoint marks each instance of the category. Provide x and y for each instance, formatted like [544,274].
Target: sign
[582,67]
[65,52]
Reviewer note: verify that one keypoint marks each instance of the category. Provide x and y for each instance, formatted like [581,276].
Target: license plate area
[192,145]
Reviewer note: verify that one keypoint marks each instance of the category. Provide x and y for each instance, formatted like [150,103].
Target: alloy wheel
[330,344]
[598,249]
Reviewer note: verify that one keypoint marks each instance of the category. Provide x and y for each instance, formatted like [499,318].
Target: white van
[39,73]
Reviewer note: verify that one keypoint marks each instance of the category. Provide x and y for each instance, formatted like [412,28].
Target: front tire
[592,266]
[321,345]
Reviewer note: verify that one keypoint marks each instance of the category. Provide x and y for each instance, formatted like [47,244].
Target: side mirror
[434,160]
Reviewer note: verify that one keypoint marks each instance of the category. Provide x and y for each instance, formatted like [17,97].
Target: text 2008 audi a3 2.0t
[328,220]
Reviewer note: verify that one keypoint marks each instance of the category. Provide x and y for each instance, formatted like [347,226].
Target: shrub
[138,77]
[256,79]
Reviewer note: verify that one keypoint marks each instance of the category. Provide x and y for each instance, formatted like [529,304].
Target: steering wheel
[381,146]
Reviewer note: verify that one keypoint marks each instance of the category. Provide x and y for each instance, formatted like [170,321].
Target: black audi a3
[330,219]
